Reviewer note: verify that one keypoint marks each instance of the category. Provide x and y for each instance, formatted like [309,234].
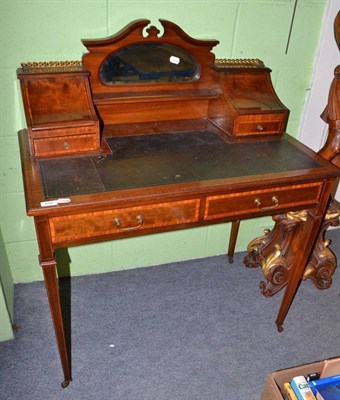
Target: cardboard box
[331,368]
[274,381]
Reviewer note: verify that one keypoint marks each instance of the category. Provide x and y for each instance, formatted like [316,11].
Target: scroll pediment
[141,53]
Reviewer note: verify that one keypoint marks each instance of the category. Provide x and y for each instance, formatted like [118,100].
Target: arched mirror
[149,62]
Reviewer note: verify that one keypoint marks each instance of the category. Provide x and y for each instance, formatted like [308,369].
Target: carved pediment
[140,53]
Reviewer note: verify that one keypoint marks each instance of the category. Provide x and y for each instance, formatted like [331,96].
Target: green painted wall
[51,30]
[6,295]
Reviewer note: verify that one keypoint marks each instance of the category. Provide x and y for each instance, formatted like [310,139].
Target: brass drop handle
[260,127]
[66,145]
[139,220]
[258,204]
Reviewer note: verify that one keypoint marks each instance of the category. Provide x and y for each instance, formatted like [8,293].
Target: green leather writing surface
[160,159]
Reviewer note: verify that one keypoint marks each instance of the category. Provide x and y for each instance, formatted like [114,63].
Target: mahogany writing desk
[106,159]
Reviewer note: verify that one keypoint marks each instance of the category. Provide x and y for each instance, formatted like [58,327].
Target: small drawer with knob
[59,145]
[257,202]
[261,124]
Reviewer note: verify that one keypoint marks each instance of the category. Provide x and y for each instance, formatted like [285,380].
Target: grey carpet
[194,330]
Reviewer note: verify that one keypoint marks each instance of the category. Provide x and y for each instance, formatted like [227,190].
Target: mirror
[148,62]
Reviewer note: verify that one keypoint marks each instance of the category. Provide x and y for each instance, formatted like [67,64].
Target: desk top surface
[141,161]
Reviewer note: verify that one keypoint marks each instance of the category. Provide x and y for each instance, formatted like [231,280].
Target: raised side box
[58,108]
[249,106]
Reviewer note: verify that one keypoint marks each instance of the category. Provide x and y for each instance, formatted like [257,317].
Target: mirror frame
[138,32]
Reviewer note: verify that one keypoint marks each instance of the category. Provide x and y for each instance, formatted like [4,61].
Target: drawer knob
[66,145]
[260,127]
[258,204]
[139,223]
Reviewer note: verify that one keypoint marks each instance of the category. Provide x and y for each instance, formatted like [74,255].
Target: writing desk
[155,174]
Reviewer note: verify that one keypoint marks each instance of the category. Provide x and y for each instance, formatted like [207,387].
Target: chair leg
[232,240]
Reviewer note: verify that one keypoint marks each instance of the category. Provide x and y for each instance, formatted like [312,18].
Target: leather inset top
[160,159]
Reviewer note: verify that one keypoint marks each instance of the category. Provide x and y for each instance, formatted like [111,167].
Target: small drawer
[132,219]
[257,128]
[259,202]
[259,124]
[64,144]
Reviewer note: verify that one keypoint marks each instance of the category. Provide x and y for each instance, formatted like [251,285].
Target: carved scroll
[269,252]
[322,262]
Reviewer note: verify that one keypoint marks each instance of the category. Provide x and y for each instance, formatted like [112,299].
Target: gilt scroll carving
[322,262]
[269,252]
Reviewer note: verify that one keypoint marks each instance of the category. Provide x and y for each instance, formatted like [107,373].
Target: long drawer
[260,201]
[108,222]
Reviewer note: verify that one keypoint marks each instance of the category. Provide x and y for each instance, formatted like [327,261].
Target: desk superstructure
[149,133]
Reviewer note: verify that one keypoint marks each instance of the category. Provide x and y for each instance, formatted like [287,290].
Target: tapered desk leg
[235,225]
[300,251]
[48,264]
[52,289]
